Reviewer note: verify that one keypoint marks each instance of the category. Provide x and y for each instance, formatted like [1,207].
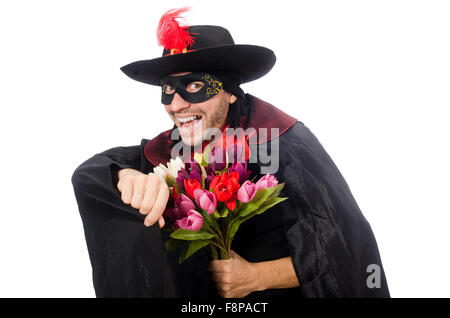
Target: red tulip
[174,193]
[231,203]
[190,186]
[225,186]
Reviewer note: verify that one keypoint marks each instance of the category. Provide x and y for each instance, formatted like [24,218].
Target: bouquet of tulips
[210,196]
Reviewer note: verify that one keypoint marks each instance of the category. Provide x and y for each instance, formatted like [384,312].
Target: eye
[194,87]
[167,89]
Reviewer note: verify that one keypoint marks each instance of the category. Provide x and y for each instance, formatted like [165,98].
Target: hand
[144,192]
[234,277]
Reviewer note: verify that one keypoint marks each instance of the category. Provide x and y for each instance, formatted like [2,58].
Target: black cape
[320,226]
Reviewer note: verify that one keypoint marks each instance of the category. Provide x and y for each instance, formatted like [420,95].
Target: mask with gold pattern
[192,87]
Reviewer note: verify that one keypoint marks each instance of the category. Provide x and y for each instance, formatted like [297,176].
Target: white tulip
[168,174]
[174,166]
[160,172]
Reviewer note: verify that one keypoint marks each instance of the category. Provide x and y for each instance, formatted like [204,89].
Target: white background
[369,78]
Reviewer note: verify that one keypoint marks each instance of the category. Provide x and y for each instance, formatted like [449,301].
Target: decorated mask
[192,87]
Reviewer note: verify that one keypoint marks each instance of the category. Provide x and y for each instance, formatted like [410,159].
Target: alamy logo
[374,279]
[265,153]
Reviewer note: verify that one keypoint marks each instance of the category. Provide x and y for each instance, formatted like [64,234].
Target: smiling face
[194,118]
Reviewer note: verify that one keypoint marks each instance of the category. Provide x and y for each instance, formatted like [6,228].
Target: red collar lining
[264,115]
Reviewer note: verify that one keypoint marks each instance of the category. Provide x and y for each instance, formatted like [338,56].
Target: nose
[178,103]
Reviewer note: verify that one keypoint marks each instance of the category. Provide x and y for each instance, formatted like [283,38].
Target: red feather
[172,35]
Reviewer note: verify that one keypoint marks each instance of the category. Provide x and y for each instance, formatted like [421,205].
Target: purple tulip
[206,200]
[217,159]
[171,213]
[174,214]
[209,176]
[184,204]
[246,192]
[241,169]
[194,170]
[196,176]
[192,222]
[268,181]
[180,211]
[182,175]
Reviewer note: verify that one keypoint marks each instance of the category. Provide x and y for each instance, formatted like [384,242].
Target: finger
[220,266]
[149,197]
[126,188]
[161,222]
[223,290]
[138,193]
[120,185]
[159,206]
[221,278]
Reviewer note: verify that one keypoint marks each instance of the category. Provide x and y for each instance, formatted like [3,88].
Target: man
[315,244]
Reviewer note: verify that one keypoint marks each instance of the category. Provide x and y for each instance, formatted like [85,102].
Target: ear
[233,99]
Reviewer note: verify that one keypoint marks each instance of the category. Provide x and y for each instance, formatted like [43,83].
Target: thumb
[161,222]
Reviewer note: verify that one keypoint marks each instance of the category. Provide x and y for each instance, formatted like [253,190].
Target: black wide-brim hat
[213,50]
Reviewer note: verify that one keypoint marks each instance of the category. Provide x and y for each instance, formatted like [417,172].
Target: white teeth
[184,120]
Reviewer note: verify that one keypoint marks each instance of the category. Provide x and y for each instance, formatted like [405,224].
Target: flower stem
[224,254]
[217,233]
[213,251]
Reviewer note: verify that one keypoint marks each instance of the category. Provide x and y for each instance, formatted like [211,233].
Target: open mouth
[190,123]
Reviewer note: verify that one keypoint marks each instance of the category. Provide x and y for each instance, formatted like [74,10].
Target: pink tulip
[192,222]
[246,192]
[268,181]
[184,204]
[205,200]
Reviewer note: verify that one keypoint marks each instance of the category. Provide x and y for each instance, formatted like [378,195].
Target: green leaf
[182,234]
[193,247]
[173,244]
[170,181]
[205,155]
[259,198]
[223,213]
[178,189]
[277,191]
[209,220]
[267,205]
[234,227]
[204,176]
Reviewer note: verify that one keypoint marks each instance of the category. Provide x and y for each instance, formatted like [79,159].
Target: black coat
[320,226]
